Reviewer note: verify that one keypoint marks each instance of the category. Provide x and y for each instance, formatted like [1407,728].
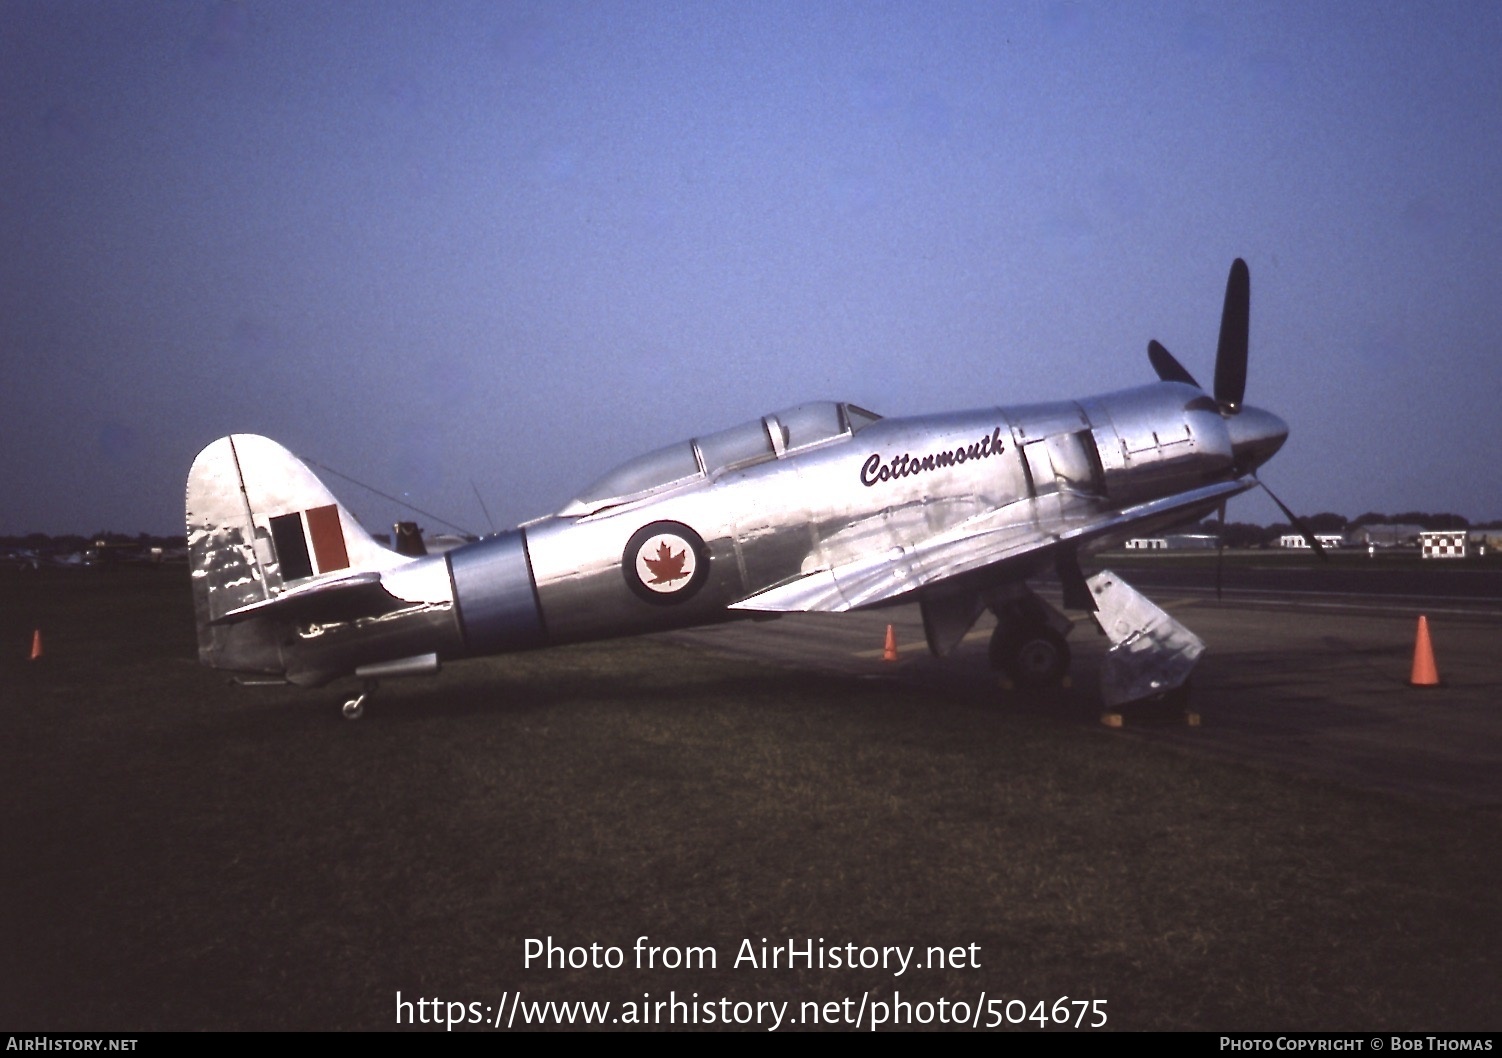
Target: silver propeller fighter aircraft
[822,507]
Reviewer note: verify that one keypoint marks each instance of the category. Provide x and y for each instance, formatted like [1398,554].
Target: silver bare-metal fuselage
[878,493]
[822,507]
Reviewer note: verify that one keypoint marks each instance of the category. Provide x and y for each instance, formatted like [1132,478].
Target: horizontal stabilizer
[343,599]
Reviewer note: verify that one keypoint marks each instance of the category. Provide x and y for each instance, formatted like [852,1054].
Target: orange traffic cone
[1424,672]
[889,652]
[36,644]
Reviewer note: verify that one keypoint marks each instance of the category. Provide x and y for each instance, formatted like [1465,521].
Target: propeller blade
[1230,358]
[1293,520]
[1168,368]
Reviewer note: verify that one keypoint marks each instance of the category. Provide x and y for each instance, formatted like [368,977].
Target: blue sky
[448,247]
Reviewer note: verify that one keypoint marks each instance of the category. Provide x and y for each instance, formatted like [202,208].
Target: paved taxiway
[1311,681]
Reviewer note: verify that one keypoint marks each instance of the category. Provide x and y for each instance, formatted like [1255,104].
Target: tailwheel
[1033,658]
[354,708]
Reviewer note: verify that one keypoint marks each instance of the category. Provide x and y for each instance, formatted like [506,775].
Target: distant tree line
[74,542]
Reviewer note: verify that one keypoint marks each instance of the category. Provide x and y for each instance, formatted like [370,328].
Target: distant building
[1483,540]
[1296,541]
[1379,535]
[1173,542]
[1192,541]
[1447,543]
[437,545]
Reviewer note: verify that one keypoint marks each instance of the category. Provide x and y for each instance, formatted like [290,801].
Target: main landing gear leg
[1028,645]
[355,707]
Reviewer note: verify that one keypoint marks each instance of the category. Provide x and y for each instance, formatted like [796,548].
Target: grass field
[183,854]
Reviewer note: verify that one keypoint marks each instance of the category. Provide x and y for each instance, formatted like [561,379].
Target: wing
[974,545]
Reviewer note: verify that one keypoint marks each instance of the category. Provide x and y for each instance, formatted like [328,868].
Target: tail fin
[260,523]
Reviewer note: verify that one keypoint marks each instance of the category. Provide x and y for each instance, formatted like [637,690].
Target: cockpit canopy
[772,436]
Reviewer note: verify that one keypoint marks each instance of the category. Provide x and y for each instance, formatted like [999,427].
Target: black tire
[1033,658]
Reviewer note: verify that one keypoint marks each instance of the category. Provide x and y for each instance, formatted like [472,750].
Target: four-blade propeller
[1253,442]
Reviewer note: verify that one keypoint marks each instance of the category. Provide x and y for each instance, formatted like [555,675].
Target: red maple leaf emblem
[666,567]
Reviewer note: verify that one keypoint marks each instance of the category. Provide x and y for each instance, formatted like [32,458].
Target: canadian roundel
[665,562]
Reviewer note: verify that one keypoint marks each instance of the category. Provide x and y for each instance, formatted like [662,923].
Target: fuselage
[679,536]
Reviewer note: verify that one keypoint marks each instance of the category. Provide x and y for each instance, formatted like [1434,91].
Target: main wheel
[1033,658]
[354,708]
